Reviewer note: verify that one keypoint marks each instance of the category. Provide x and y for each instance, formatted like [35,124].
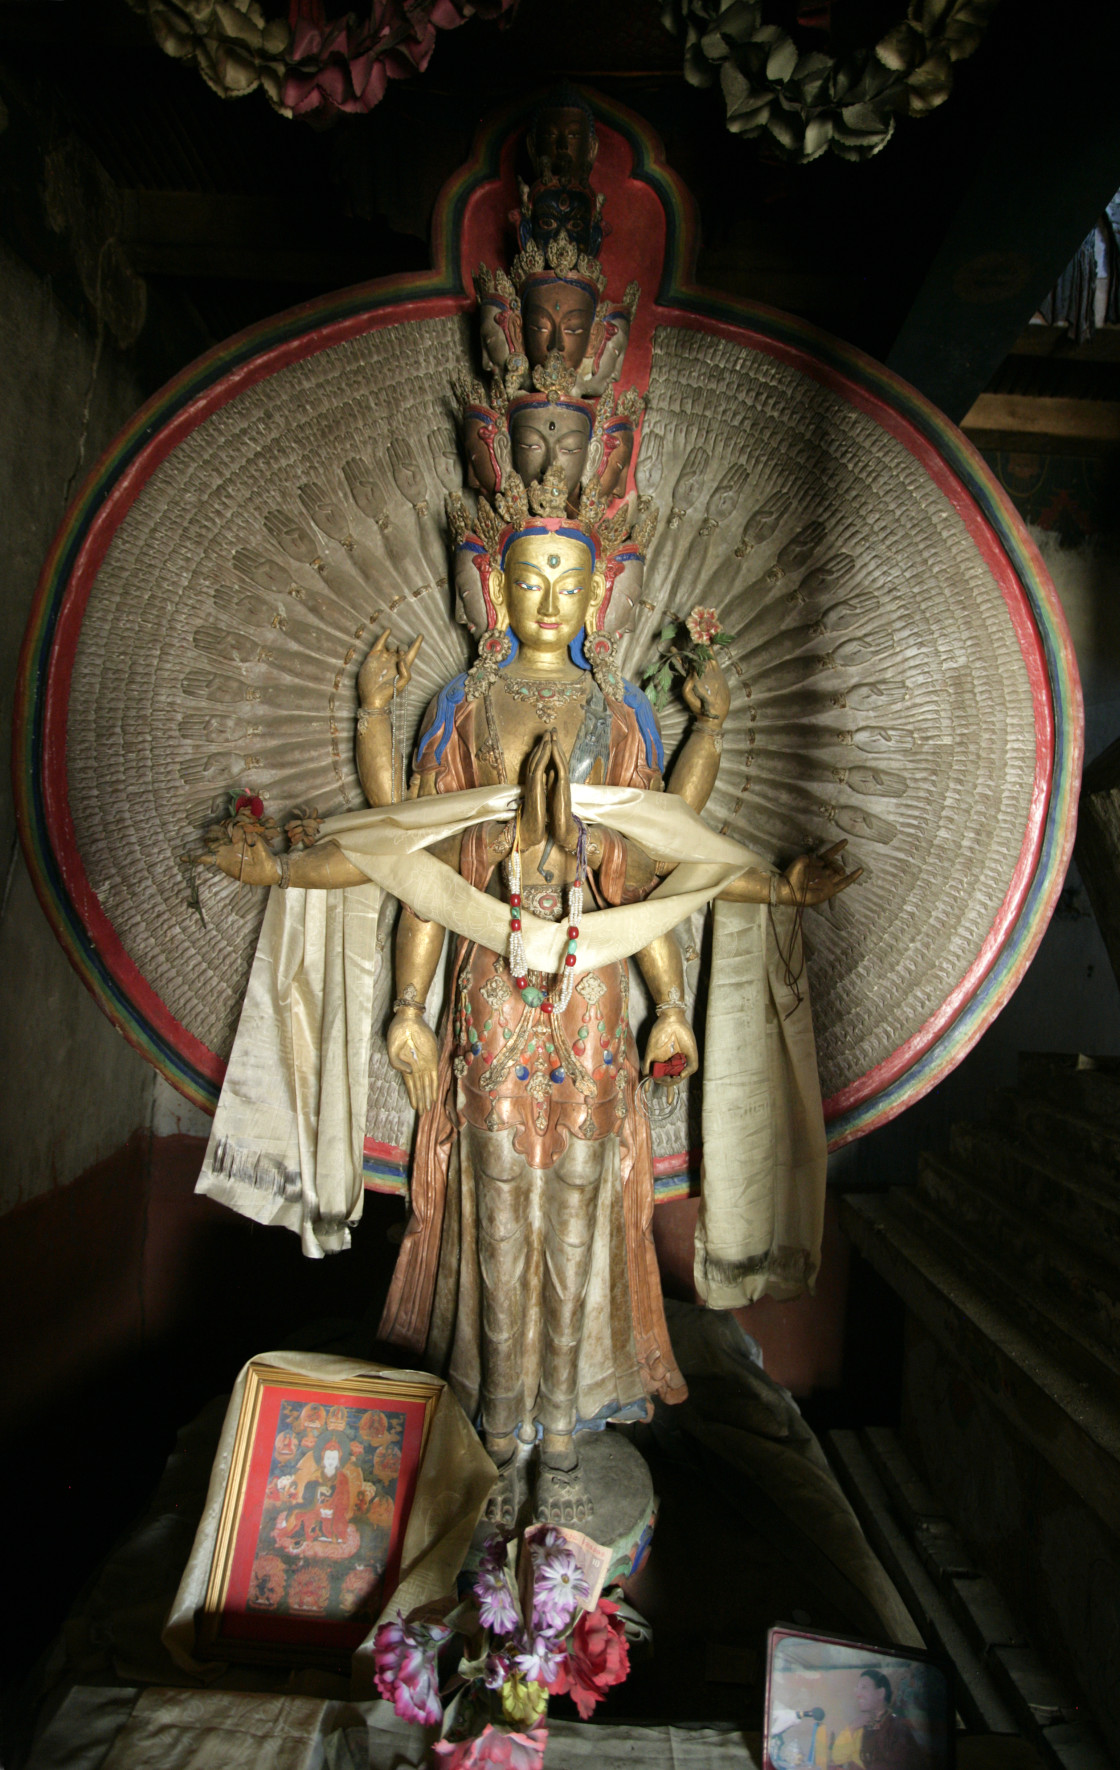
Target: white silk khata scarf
[288,1135]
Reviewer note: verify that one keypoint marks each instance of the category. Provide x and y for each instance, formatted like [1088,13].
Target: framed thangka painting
[320,1488]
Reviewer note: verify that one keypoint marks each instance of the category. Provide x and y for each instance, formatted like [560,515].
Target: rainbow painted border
[39,769]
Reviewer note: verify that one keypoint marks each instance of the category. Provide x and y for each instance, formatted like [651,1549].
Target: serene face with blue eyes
[548,589]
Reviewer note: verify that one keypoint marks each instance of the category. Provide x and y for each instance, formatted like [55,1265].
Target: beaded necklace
[543,697]
[533,997]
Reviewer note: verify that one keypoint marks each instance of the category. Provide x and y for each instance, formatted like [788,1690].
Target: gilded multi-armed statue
[543,825]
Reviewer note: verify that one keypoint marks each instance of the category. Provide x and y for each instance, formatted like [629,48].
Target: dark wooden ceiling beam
[1052,165]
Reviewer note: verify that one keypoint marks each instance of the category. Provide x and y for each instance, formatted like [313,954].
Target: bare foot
[561,1497]
[505,1496]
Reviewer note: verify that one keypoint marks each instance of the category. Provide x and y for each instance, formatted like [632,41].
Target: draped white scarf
[287,1142]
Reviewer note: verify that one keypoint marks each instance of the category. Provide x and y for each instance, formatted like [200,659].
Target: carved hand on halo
[385,672]
[707,695]
[412,1050]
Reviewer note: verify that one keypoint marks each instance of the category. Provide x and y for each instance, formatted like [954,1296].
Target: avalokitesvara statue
[569,694]
[538,795]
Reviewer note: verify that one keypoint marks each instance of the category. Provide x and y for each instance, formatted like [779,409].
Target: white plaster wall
[71,1090]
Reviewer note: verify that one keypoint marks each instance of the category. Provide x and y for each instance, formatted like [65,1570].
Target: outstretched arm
[323,867]
[811,879]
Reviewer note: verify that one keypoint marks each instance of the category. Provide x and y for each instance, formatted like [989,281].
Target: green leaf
[721,639]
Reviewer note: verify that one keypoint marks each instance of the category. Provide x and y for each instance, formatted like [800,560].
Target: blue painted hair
[451,694]
[449,697]
[633,698]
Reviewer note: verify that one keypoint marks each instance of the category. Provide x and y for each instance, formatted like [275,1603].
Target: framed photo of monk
[320,1487]
[836,1704]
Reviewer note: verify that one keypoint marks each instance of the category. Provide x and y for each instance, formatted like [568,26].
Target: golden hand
[563,827]
[250,863]
[814,878]
[385,672]
[669,1034]
[534,819]
[411,1045]
[707,695]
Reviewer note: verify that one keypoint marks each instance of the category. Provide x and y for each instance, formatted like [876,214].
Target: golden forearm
[381,774]
[321,868]
[416,955]
[754,886]
[694,773]
[663,969]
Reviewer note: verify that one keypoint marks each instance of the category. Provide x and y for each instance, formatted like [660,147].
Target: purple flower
[496,1609]
[558,1585]
[494,1549]
[405,1668]
[538,1660]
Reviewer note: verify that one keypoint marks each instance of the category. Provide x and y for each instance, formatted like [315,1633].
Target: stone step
[1046,1712]
[1079,1200]
[1089,1085]
[1059,1131]
[1077,1290]
[1067,1420]
[979,1703]
[1033,1308]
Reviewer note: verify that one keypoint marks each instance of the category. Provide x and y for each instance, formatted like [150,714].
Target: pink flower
[597,1657]
[496,1609]
[496,1671]
[494,1749]
[405,1668]
[703,625]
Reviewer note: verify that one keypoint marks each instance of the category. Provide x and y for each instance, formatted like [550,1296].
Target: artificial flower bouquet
[683,653]
[532,1628]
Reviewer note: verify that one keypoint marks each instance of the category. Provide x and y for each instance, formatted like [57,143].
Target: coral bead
[515,923]
[573,932]
[569,958]
[579,1047]
[514,900]
[546,1006]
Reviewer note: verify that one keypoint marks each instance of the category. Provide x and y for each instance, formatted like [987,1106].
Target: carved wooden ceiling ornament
[900,670]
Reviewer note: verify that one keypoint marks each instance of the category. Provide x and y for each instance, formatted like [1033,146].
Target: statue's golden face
[557,316]
[547,590]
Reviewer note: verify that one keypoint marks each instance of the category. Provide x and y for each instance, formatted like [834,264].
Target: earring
[495,649]
[600,654]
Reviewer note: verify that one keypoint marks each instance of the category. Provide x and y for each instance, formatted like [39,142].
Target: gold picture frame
[321,1483]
